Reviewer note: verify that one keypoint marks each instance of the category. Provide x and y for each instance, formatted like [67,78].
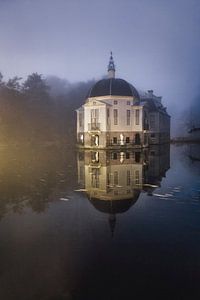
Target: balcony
[119,143]
[93,126]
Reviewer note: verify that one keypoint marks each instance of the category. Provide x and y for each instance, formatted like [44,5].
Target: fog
[155,43]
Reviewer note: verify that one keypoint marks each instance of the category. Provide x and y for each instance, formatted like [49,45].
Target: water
[106,225]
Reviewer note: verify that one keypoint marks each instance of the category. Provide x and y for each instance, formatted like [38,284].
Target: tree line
[39,109]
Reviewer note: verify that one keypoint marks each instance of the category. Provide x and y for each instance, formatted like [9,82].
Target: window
[94,157]
[128,103]
[108,179]
[137,157]
[127,155]
[115,102]
[152,122]
[108,115]
[81,172]
[114,155]
[128,117]
[146,123]
[81,138]
[81,156]
[137,139]
[145,138]
[95,178]
[116,179]
[127,140]
[114,140]
[153,135]
[80,119]
[115,116]
[94,116]
[95,140]
[128,178]
[137,117]
[137,177]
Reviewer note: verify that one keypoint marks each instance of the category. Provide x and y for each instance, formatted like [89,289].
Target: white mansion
[116,116]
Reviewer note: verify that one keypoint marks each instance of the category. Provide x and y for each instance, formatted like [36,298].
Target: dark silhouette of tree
[13,84]
[35,87]
[1,80]
[40,109]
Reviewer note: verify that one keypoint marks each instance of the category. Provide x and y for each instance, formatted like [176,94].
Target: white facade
[114,115]
[118,175]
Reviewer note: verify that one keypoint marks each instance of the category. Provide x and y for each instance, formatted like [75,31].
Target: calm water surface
[99,225]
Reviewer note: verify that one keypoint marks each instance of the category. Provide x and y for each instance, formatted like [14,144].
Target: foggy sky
[155,43]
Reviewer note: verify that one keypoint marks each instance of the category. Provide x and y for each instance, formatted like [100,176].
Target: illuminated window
[94,157]
[81,138]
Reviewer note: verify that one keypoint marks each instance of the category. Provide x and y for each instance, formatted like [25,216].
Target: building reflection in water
[113,180]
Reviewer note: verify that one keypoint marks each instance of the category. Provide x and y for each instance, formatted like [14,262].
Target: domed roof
[114,206]
[114,87]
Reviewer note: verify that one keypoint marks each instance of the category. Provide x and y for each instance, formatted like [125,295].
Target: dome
[114,206]
[113,87]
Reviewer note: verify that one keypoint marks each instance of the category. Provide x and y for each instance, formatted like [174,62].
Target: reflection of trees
[33,177]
